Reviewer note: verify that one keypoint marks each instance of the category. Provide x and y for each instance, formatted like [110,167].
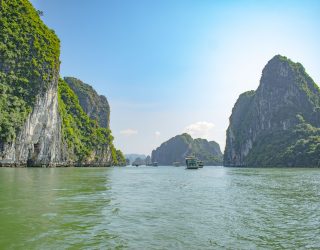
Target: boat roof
[190,157]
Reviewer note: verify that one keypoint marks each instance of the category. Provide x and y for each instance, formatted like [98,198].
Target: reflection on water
[159,208]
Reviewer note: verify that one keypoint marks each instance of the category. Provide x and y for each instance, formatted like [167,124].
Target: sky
[169,67]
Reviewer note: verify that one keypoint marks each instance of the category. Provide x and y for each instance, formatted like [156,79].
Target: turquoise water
[159,208]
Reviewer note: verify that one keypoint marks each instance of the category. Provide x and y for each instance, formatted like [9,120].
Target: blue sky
[169,67]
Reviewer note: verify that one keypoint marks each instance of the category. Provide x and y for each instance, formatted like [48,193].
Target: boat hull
[192,167]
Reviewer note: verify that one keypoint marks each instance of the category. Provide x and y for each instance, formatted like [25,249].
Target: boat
[200,164]
[155,164]
[176,164]
[192,162]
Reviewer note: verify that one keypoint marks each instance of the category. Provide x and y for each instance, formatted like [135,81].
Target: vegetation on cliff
[29,68]
[278,124]
[29,61]
[181,146]
[84,137]
[299,146]
[96,106]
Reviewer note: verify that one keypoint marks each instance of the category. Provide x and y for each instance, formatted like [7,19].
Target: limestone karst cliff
[278,124]
[96,106]
[37,124]
[29,73]
[181,146]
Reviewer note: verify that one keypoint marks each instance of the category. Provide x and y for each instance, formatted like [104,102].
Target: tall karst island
[45,120]
[278,125]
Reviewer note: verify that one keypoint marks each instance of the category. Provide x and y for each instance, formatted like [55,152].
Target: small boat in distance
[155,164]
[176,164]
[200,163]
[192,162]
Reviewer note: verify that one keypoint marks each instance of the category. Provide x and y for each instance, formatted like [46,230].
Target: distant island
[132,157]
[278,125]
[138,159]
[45,120]
[179,147]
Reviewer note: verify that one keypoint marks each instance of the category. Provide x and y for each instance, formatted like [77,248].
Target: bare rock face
[29,72]
[41,120]
[264,125]
[39,141]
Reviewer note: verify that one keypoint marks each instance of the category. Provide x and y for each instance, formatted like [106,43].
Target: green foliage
[29,61]
[84,138]
[305,149]
[277,125]
[96,106]
[29,65]
[180,146]
[207,151]
[297,147]
[40,12]
[121,158]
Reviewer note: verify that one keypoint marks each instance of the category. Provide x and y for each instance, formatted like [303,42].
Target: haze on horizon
[169,67]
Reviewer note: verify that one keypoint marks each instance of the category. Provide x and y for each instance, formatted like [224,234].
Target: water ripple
[159,208]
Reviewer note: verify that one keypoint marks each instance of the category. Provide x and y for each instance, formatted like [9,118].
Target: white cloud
[157,134]
[128,132]
[200,130]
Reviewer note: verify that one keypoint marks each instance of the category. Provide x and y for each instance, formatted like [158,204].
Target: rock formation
[96,106]
[39,123]
[181,146]
[278,124]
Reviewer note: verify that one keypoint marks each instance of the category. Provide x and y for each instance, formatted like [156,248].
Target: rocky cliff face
[38,124]
[29,72]
[39,140]
[181,146]
[96,106]
[86,142]
[266,125]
